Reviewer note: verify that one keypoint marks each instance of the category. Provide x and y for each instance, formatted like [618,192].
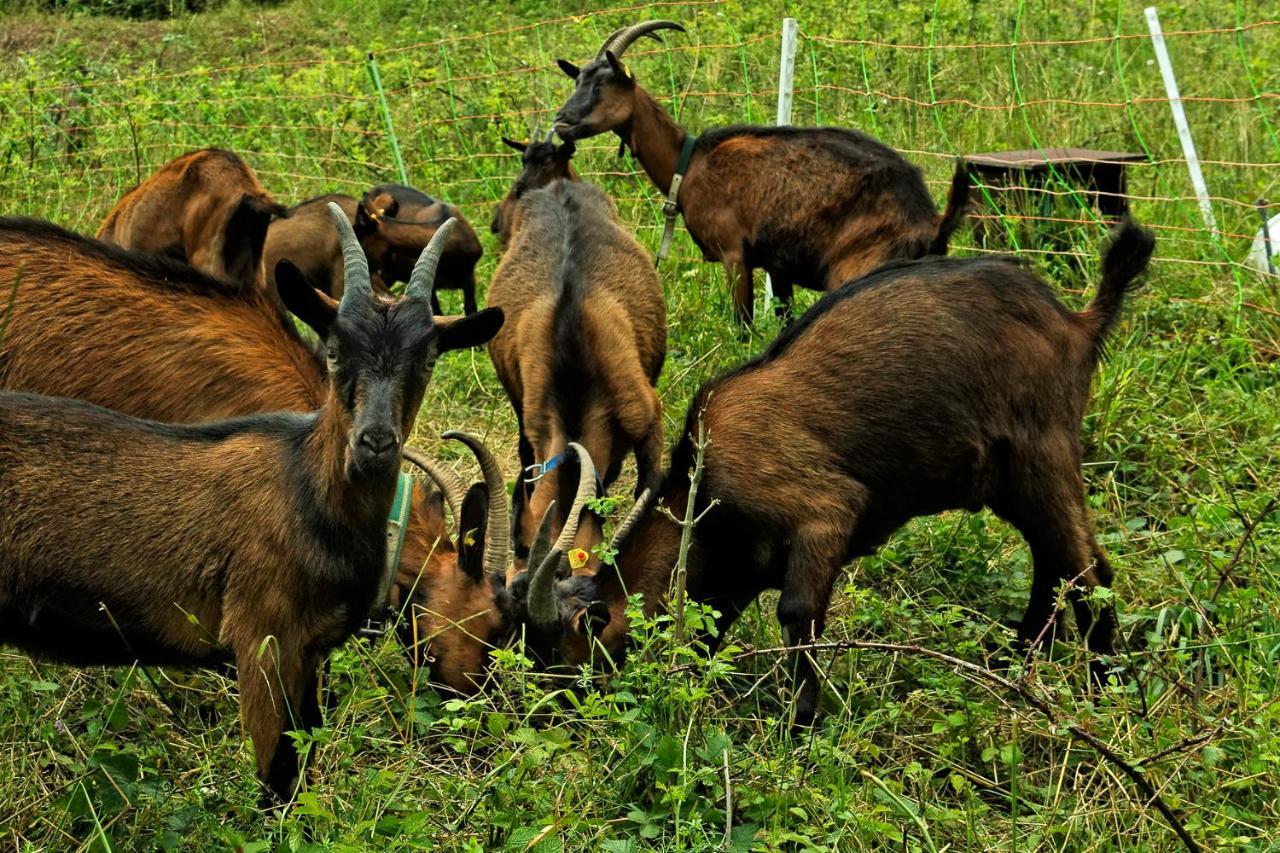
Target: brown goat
[259,539]
[582,349]
[206,208]
[928,385]
[815,207]
[540,164]
[393,223]
[154,338]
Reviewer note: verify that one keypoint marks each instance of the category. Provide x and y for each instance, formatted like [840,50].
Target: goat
[206,208]
[540,164]
[260,539]
[393,223]
[815,207]
[928,385]
[583,346]
[154,338]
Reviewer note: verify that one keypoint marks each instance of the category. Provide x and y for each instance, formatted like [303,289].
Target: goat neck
[655,139]
[326,457]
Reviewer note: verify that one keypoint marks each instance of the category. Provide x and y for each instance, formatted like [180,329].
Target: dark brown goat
[583,346]
[815,207]
[540,164]
[393,223]
[261,538]
[206,208]
[928,385]
[153,338]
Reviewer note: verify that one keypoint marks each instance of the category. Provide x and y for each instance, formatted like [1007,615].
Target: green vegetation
[913,752]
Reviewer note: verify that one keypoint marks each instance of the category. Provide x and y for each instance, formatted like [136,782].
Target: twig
[1135,775]
[686,532]
[1249,527]
[728,802]
[1188,744]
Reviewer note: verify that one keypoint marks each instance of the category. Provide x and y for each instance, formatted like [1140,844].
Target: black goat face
[601,101]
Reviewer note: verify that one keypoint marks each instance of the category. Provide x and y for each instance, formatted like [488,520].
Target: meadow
[920,746]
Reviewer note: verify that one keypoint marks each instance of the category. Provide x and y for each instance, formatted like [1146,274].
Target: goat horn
[637,512]
[550,135]
[450,484]
[423,278]
[621,39]
[542,605]
[541,597]
[355,266]
[497,536]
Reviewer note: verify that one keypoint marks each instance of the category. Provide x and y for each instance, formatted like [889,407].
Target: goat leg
[812,565]
[277,694]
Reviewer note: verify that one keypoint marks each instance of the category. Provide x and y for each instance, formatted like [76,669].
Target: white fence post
[786,91]
[1180,119]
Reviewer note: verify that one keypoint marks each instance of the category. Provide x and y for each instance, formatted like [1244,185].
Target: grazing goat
[541,163]
[393,223]
[206,208]
[258,539]
[927,385]
[156,339]
[583,346]
[815,207]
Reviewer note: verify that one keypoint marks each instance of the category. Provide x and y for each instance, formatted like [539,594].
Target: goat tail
[957,207]
[1124,259]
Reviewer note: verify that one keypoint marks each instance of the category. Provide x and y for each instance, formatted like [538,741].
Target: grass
[913,751]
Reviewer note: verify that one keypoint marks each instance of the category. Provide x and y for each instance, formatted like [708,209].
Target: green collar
[397,524]
[671,207]
[686,154]
[397,521]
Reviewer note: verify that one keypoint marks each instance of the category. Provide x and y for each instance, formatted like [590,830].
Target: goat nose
[378,442]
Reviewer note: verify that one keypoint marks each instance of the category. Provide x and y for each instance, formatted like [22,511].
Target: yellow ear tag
[578,558]
[469,540]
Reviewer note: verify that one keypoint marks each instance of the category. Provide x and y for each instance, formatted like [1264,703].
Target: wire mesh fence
[936,81]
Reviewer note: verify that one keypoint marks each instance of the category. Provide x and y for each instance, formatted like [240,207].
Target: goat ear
[471,529]
[433,510]
[303,300]
[469,331]
[511,143]
[619,70]
[569,68]
[592,619]
[243,237]
[382,204]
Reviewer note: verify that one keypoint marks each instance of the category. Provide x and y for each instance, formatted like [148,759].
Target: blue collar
[536,472]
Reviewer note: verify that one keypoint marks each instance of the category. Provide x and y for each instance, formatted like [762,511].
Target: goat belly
[87,627]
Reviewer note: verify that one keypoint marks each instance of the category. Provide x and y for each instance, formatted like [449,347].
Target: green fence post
[386,118]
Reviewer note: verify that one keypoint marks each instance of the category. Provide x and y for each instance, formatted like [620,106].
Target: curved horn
[586,491]
[633,518]
[542,609]
[550,135]
[356,284]
[423,278]
[540,601]
[621,39]
[497,536]
[450,484]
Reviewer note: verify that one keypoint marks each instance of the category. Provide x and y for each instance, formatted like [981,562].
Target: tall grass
[913,750]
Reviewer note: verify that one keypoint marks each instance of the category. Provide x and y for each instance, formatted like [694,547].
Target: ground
[912,751]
